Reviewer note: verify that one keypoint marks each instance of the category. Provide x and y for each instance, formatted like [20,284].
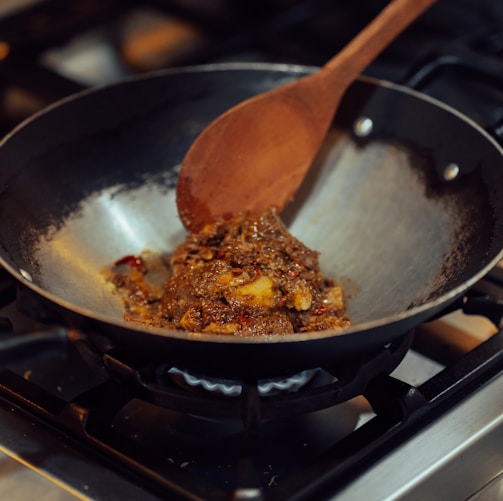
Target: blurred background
[52,48]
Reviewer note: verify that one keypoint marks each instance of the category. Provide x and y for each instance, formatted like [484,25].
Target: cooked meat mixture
[244,276]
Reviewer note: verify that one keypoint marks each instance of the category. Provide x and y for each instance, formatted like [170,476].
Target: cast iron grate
[245,432]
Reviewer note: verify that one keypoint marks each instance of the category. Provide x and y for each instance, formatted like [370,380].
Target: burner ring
[232,388]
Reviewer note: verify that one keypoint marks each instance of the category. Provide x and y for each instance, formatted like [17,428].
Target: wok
[93,177]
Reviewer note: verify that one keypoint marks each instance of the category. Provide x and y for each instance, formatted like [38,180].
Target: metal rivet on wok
[451,172]
[363,126]
[25,275]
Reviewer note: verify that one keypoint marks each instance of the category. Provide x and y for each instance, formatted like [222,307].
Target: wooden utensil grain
[255,155]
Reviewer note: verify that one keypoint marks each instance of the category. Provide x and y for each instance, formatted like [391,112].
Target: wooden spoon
[255,155]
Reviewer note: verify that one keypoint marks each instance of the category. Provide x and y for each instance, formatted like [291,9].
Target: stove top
[92,435]
[430,429]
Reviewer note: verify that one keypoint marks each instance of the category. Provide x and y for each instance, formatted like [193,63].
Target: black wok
[93,178]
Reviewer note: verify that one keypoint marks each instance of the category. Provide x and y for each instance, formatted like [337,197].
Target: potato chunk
[260,292]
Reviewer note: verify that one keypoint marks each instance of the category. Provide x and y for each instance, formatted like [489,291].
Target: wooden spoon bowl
[255,155]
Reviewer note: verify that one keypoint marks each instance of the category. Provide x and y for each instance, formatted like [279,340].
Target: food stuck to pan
[244,276]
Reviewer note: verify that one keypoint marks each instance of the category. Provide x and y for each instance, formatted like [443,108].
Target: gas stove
[78,423]
[87,423]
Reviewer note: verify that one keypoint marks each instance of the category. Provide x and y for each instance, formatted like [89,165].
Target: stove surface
[41,458]
[40,455]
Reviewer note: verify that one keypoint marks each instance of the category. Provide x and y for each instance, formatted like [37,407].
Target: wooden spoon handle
[378,34]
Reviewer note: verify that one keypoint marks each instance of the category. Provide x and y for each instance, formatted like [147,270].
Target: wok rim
[359,328]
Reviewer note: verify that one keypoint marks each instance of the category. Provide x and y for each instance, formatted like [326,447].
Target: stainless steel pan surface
[404,204]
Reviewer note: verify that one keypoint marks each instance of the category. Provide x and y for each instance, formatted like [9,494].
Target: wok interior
[367,231]
[102,185]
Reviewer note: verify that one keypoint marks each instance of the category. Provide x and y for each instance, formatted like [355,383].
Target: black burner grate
[134,419]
